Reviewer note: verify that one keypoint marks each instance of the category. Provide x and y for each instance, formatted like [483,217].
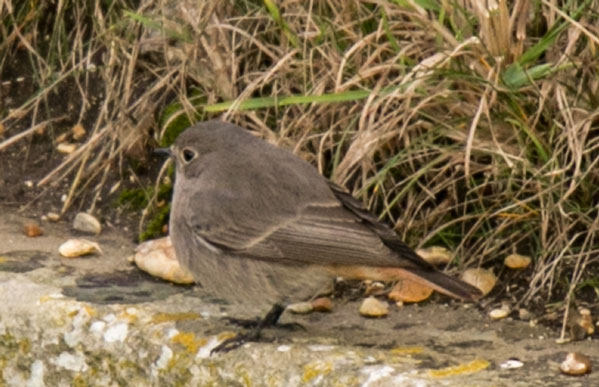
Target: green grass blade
[276,16]
[265,102]
[541,151]
[516,75]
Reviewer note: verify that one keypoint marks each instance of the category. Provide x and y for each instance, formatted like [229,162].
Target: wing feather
[337,230]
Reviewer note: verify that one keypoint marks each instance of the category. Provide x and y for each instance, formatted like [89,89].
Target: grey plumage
[256,224]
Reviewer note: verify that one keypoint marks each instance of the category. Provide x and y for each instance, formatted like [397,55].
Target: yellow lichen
[189,341]
[25,346]
[406,350]
[160,318]
[130,317]
[466,368]
[312,370]
[90,310]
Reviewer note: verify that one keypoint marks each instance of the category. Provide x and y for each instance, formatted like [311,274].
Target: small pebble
[87,223]
[435,255]
[53,216]
[498,314]
[371,307]
[524,314]
[62,138]
[511,364]
[483,279]
[409,291]
[575,364]
[517,261]
[300,308]
[78,247]
[322,304]
[32,230]
[157,257]
[78,132]
[66,148]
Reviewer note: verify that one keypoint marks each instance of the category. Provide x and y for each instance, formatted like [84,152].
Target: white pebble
[87,223]
[300,308]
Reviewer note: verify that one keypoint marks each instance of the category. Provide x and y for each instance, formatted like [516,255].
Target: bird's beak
[163,152]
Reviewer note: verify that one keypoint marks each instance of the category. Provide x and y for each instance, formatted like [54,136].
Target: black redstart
[255,224]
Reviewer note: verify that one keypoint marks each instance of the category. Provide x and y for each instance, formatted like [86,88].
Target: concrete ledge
[99,321]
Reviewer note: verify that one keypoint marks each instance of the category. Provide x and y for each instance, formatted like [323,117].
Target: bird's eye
[188,155]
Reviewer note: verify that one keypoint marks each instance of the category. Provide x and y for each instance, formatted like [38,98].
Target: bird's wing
[338,234]
[326,233]
[387,235]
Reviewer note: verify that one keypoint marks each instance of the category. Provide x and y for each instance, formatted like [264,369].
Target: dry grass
[472,124]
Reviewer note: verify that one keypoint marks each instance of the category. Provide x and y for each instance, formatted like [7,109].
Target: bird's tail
[429,277]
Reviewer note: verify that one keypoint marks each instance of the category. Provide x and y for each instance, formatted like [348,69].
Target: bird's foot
[232,343]
[242,322]
[254,323]
[255,327]
[269,320]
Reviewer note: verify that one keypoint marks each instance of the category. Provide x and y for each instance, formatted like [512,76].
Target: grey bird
[257,225]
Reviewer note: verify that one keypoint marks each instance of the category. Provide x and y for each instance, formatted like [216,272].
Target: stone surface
[98,320]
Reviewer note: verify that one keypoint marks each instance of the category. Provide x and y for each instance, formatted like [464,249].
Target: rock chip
[87,223]
[372,307]
[511,364]
[517,261]
[157,257]
[53,216]
[483,279]
[410,291]
[32,230]
[435,255]
[575,364]
[500,313]
[78,132]
[300,308]
[524,314]
[66,148]
[322,304]
[78,247]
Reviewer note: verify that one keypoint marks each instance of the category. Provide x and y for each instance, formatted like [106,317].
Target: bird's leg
[269,320]
[254,334]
